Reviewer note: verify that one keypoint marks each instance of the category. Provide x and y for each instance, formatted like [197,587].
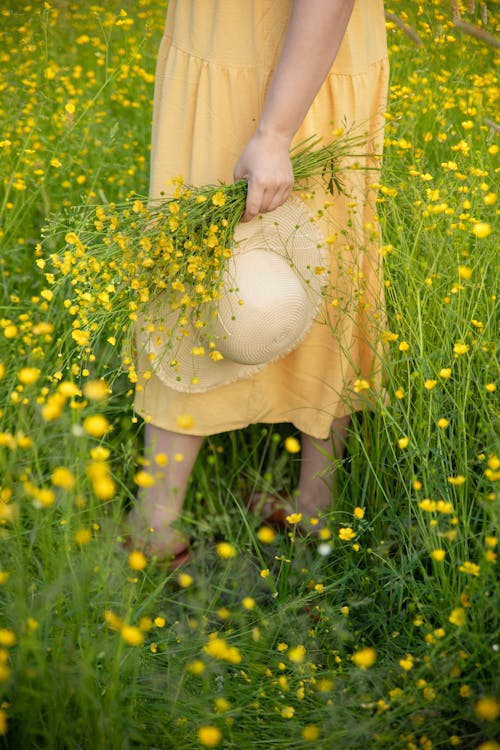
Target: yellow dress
[214,66]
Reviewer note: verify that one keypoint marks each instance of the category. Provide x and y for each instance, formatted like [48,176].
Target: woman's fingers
[279,198]
[262,198]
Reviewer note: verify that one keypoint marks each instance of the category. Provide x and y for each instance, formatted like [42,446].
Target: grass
[391,640]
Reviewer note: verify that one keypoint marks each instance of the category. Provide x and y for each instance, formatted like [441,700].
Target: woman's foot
[156,537]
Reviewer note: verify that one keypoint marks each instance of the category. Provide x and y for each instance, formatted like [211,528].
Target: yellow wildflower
[28,375]
[96,425]
[443,506]
[221,704]
[324,685]
[218,648]
[365,657]
[226,550]
[266,534]
[112,620]
[481,230]
[297,654]
[456,481]
[487,708]
[310,732]
[143,479]
[10,331]
[346,534]
[82,536]
[7,637]
[43,497]
[185,421]
[218,198]
[63,477]
[464,272]
[407,663]
[457,616]
[137,560]
[68,389]
[438,554]
[470,568]
[361,385]
[209,736]
[96,390]
[132,635]
[292,445]
[195,667]
[81,337]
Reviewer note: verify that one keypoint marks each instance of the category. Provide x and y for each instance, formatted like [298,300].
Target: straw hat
[270,295]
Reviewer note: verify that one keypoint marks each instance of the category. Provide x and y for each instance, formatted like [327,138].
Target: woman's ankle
[151,526]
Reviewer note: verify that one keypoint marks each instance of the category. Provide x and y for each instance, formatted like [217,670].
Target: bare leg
[159,506]
[317,473]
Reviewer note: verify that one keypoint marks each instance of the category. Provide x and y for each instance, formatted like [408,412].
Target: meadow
[386,635]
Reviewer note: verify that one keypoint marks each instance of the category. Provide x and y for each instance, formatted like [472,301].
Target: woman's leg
[159,506]
[317,471]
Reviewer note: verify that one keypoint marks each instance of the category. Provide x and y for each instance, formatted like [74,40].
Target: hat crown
[262,310]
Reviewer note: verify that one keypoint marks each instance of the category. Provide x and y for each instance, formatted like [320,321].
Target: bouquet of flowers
[117,258]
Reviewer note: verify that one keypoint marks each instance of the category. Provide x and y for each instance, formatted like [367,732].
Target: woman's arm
[313,37]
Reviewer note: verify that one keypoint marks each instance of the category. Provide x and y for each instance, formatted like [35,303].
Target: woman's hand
[265,164]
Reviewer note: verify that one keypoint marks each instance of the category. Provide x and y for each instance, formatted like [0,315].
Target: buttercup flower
[96,425]
[132,635]
[137,560]
[226,550]
[292,445]
[209,736]
[266,534]
[365,657]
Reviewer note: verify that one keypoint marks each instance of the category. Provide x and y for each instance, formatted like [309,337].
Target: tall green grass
[254,650]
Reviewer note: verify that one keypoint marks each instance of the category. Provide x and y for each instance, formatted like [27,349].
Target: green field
[391,640]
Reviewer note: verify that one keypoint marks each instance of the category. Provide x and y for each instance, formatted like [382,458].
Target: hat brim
[289,231]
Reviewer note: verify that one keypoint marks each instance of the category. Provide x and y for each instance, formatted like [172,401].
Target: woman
[239,82]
